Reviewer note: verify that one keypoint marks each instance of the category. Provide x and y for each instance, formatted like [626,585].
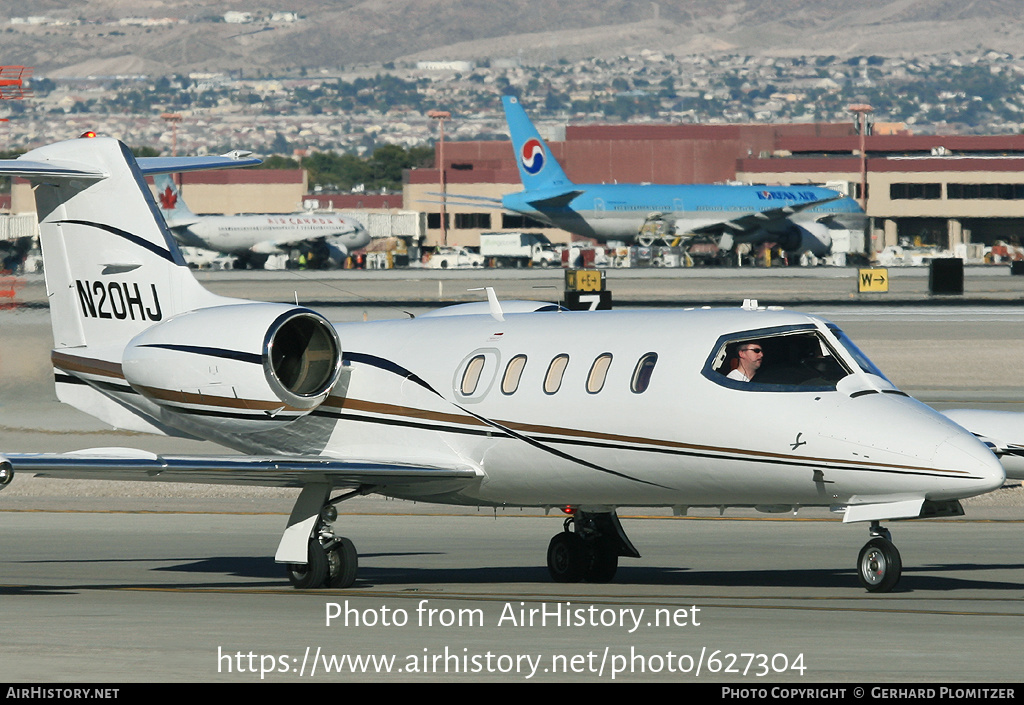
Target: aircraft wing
[466,200]
[758,220]
[465,204]
[544,199]
[257,471]
[466,197]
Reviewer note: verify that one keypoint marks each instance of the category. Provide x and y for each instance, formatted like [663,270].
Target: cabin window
[789,359]
[474,377]
[642,373]
[553,379]
[471,377]
[513,373]
[598,373]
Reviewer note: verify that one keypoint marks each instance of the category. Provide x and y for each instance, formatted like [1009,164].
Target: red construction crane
[12,86]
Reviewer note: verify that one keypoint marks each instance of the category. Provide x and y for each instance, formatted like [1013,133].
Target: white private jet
[256,236]
[489,404]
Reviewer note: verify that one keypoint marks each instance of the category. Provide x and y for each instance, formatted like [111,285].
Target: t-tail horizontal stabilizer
[558,200]
[234,159]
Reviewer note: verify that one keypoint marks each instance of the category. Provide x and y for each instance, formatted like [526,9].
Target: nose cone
[912,448]
[981,470]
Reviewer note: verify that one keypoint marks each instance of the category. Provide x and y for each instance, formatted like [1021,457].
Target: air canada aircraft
[255,235]
[798,218]
[494,403]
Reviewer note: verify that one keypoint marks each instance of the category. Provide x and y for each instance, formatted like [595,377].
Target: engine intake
[6,472]
[302,358]
[244,367]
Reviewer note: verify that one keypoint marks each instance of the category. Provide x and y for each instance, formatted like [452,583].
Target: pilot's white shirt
[737,374]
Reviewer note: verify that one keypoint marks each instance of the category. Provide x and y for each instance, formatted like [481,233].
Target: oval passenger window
[471,377]
[642,373]
[553,379]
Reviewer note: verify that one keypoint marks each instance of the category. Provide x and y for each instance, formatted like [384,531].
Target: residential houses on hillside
[358,108]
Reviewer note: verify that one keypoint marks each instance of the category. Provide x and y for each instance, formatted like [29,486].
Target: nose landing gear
[879,565]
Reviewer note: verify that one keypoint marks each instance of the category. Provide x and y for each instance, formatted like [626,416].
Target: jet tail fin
[112,267]
[538,168]
[168,197]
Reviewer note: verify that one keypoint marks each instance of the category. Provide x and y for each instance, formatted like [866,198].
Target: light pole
[173,119]
[441,116]
[861,112]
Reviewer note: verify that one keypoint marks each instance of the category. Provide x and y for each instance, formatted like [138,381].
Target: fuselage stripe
[223,353]
[134,239]
[356,410]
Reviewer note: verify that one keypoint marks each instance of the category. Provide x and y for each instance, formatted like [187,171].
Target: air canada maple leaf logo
[168,199]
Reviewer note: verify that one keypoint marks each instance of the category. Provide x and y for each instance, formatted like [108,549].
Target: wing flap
[260,471]
[492,200]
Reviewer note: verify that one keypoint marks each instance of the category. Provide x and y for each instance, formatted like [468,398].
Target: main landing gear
[331,564]
[331,560]
[879,565]
[588,548]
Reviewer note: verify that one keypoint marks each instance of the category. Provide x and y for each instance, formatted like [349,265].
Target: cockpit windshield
[862,360]
[797,358]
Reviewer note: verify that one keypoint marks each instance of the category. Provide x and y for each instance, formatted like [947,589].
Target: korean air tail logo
[533,156]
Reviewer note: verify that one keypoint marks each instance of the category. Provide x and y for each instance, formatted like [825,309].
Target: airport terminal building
[961,194]
[945,192]
[941,191]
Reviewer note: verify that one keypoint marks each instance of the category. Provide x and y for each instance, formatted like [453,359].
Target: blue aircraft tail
[538,168]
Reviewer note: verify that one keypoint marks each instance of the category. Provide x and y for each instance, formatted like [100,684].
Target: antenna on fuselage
[492,300]
[321,282]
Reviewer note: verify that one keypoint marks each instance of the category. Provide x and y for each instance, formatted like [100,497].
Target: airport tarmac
[138,582]
[175,596]
[696,286]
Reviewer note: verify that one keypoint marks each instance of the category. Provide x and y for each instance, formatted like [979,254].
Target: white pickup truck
[454,257]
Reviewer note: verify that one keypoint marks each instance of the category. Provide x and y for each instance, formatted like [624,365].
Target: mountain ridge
[346,33]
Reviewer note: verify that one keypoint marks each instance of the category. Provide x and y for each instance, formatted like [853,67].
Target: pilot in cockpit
[749,357]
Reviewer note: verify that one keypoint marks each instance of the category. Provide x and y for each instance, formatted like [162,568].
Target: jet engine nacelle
[806,237]
[6,472]
[243,367]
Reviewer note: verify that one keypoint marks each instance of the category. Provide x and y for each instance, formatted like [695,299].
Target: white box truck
[516,249]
